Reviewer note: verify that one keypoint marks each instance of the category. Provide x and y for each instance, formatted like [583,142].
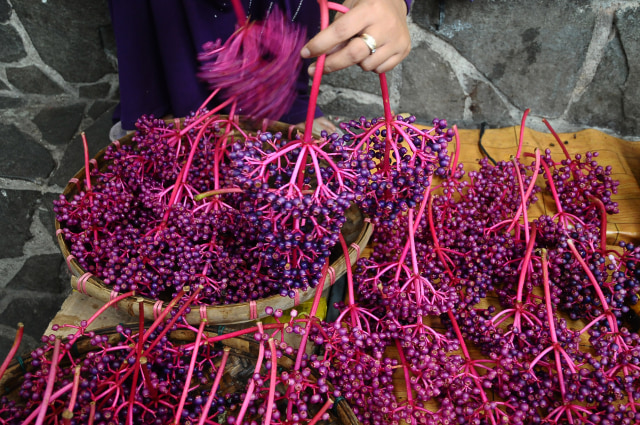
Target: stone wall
[575,62]
[58,76]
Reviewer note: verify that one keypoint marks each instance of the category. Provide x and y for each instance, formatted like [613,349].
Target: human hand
[384,20]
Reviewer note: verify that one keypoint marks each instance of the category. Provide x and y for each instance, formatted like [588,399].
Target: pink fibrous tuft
[257,66]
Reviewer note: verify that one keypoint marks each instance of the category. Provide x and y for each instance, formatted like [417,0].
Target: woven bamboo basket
[356,231]
[239,368]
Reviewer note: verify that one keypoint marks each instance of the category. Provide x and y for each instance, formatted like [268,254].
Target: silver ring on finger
[370,42]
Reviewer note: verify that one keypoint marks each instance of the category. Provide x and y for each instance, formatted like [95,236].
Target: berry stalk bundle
[497,318]
[170,372]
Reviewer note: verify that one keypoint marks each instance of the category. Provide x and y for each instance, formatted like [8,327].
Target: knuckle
[353,53]
[341,30]
[367,66]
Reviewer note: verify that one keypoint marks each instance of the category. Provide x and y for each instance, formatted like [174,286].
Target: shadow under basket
[356,232]
[239,368]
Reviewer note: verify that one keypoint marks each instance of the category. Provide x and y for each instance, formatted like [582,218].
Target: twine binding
[253,310]
[81,285]
[332,275]
[157,309]
[69,259]
[203,313]
[357,248]
[75,181]
[112,296]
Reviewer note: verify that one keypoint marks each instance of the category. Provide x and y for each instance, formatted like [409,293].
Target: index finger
[343,29]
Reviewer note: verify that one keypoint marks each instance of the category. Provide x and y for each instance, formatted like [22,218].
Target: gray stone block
[628,25]
[12,48]
[9,102]
[602,103]
[28,343]
[5,10]
[531,51]
[487,106]
[42,273]
[347,108]
[99,107]
[23,157]
[355,78]
[31,79]
[58,124]
[77,52]
[47,216]
[73,159]
[95,91]
[16,212]
[34,311]
[429,87]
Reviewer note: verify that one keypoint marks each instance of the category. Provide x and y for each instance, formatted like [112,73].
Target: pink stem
[201,118]
[352,297]
[523,205]
[252,384]
[147,378]
[102,309]
[14,348]
[163,314]
[87,164]
[214,388]
[321,412]
[526,262]
[192,364]
[239,11]
[454,163]
[136,369]
[551,317]
[612,321]
[468,360]
[54,396]
[92,412]
[434,236]
[523,200]
[53,369]
[522,127]
[405,369]
[412,243]
[272,382]
[555,135]
[385,98]
[603,221]
[312,313]
[317,77]
[179,314]
[87,172]
[68,414]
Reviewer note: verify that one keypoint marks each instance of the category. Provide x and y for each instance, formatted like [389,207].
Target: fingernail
[312,69]
[305,53]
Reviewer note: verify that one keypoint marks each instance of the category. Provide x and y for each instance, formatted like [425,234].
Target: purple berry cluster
[170,372]
[489,316]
